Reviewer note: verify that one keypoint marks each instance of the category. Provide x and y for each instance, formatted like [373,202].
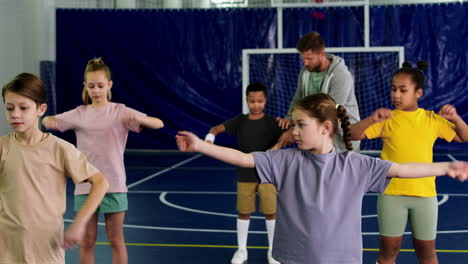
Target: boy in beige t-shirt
[34,167]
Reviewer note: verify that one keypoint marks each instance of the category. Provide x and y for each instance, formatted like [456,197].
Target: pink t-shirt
[101,135]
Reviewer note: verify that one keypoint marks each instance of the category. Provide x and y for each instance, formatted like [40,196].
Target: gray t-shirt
[319,202]
[253,135]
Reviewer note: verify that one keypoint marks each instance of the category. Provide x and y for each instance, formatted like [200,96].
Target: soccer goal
[372,69]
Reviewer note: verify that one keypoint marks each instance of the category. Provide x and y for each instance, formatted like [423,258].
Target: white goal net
[372,69]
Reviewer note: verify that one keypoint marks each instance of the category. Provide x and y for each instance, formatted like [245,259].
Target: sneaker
[240,257]
[271,260]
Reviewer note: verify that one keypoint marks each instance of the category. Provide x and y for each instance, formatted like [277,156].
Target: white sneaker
[271,260]
[240,257]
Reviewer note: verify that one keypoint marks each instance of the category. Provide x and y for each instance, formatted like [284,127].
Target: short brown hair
[27,85]
[311,41]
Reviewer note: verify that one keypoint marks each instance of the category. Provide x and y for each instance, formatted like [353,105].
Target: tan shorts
[246,192]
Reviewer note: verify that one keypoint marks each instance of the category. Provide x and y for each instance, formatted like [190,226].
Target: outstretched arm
[76,231]
[144,121]
[188,142]
[450,113]
[357,129]
[50,123]
[457,170]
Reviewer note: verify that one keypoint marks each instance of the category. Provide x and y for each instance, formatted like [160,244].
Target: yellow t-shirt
[410,137]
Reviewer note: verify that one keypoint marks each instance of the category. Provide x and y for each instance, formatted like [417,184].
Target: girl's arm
[188,142]
[50,123]
[76,231]
[150,122]
[457,170]
[450,113]
[357,129]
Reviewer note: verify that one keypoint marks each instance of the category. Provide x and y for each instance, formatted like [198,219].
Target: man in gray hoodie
[323,73]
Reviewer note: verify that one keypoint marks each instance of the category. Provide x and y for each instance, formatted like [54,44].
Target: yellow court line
[437,250]
[260,247]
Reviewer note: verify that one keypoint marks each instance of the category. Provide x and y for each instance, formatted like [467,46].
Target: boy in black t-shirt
[256,131]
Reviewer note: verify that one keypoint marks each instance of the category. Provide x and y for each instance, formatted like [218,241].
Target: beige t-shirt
[33,197]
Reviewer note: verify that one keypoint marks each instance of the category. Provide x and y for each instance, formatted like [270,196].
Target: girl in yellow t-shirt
[408,135]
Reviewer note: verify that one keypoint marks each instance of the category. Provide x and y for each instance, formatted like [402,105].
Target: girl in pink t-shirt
[101,129]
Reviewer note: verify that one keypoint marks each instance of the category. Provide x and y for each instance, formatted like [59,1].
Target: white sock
[242,231]
[270,226]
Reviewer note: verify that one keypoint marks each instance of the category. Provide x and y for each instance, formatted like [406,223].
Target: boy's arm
[76,231]
[214,131]
[461,128]
[357,129]
[50,123]
[457,170]
[188,142]
[285,139]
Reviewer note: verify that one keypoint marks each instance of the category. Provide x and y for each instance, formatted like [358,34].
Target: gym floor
[182,210]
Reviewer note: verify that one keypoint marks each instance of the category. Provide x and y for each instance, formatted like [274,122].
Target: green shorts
[112,202]
[394,211]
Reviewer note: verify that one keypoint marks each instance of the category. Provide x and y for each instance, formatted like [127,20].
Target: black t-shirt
[253,135]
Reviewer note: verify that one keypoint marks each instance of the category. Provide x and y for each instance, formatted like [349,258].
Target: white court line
[163,200]
[442,201]
[451,157]
[177,229]
[163,171]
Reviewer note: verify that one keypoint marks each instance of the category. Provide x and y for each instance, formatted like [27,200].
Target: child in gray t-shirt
[320,190]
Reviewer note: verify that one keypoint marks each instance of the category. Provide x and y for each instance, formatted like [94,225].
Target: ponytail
[345,126]
[416,74]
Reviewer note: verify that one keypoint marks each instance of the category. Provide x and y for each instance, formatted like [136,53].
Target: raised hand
[448,112]
[284,123]
[458,170]
[187,141]
[381,114]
